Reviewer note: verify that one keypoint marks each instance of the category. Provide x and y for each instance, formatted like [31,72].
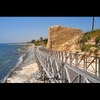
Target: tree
[33,41]
[45,40]
[41,38]
[97,41]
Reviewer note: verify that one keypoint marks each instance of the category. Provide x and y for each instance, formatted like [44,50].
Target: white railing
[57,69]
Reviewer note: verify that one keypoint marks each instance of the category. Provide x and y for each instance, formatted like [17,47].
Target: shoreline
[28,70]
[17,65]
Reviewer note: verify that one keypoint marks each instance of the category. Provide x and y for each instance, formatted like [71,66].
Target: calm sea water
[9,58]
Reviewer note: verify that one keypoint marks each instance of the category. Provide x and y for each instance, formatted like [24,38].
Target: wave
[20,60]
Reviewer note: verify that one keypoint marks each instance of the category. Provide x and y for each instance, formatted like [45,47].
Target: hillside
[73,40]
[90,42]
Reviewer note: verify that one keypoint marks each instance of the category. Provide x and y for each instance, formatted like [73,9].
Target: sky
[24,29]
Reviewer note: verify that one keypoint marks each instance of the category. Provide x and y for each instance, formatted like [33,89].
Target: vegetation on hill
[90,40]
[39,42]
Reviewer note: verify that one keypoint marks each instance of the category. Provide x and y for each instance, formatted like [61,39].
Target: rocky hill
[63,38]
[90,42]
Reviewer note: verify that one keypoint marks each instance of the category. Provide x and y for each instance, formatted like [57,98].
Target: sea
[11,56]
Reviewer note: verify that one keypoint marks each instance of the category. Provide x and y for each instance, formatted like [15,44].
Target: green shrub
[32,41]
[40,42]
[97,40]
[84,39]
[86,47]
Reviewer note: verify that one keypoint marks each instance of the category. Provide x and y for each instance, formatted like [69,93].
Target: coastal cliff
[63,38]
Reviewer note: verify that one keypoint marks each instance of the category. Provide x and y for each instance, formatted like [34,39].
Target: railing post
[43,76]
[79,78]
[99,68]
[62,55]
[76,60]
[85,62]
[96,67]
[65,56]
[58,54]
[70,59]
[63,73]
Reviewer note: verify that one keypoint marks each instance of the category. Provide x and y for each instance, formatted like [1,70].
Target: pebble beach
[28,70]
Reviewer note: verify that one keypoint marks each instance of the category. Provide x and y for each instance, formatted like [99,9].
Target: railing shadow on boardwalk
[63,67]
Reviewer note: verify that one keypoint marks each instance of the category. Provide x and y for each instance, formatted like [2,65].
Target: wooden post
[85,61]
[70,59]
[57,69]
[43,76]
[62,55]
[79,78]
[55,54]
[58,54]
[67,74]
[63,73]
[96,67]
[76,60]
[99,68]
[45,63]
[65,56]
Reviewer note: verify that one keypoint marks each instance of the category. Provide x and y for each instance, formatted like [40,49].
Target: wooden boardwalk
[62,67]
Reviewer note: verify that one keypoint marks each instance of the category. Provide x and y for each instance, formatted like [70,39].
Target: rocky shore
[28,70]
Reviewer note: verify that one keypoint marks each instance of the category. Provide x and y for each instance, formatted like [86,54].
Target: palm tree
[93,24]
